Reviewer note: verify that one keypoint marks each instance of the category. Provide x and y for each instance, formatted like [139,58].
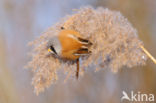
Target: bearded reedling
[69,45]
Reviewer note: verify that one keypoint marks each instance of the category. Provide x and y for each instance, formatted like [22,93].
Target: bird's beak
[49,50]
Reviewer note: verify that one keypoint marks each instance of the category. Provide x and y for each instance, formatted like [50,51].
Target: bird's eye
[53,49]
[62,27]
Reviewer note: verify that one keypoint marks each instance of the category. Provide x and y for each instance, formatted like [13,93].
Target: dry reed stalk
[148,54]
[115,44]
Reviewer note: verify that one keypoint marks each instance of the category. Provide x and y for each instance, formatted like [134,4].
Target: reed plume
[115,45]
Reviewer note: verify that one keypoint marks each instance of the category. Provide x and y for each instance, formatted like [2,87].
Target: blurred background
[22,21]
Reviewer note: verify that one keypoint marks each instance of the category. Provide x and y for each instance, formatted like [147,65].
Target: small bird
[70,45]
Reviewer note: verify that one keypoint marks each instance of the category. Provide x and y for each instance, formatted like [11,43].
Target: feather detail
[84,41]
[82,52]
[80,40]
[73,46]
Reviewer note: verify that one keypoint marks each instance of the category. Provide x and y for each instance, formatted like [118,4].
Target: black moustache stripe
[53,49]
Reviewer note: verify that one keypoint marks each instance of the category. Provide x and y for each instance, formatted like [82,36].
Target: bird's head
[54,46]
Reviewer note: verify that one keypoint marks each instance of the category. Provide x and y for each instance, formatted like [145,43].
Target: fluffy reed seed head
[115,44]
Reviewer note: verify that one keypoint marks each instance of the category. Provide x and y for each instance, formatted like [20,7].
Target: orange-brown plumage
[69,44]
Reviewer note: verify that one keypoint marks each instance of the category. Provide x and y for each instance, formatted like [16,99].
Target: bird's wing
[82,51]
[81,40]
[85,44]
[84,41]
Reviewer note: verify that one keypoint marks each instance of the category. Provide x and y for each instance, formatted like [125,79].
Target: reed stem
[148,54]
